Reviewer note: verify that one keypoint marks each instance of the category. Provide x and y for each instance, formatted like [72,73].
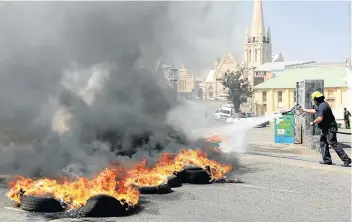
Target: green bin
[284,127]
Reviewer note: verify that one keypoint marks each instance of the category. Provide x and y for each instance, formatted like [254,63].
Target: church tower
[257,45]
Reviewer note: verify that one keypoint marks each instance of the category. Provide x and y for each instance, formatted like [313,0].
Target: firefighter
[326,122]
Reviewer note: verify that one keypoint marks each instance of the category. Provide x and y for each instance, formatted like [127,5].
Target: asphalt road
[274,189]
[270,192]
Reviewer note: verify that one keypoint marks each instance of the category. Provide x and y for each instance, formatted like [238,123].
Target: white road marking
[268,188]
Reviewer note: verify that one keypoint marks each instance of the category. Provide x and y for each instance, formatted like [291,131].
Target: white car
[223,113]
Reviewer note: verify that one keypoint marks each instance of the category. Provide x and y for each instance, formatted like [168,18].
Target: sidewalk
[293,151]
[261,147]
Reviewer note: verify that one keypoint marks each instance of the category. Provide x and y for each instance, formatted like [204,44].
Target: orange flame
[214,139]
[217,138]
[76,193]
[169,164]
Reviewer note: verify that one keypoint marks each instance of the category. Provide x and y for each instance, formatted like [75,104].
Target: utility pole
[173,77]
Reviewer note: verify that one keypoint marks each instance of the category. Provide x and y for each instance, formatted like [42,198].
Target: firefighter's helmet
[316,94]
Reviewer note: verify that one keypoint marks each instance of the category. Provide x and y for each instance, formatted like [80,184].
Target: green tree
[238,87]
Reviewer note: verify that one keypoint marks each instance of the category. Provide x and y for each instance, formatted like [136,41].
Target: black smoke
[41,43]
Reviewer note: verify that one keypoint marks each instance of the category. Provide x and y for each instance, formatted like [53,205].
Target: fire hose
[296,110]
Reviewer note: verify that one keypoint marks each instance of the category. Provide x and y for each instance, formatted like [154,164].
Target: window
[258,81]
[330,93]
[264,96]
[250,55]
[294,96]
[279,96]
[255,55]
[225,111]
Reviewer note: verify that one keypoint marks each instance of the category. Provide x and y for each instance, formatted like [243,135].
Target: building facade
[186,83]
[279,93]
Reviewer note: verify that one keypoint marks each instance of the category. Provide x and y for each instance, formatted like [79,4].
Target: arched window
[250,55]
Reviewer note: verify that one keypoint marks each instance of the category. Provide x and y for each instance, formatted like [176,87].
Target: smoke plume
[78,80]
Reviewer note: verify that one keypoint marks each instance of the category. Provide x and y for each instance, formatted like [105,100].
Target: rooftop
[278,66]
[210,76]
[333,76]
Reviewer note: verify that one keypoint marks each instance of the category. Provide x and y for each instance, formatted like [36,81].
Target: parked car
[240,116]
[223,113]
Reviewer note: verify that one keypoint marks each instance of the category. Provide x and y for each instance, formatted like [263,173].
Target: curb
[295,162]
[273,145]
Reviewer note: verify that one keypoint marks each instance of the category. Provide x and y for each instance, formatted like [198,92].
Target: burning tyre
[40,204]
[173,181]
[194,175]
[109,194]
[153,183]
[160,189]
[183,176]
[104,206]
[198,176]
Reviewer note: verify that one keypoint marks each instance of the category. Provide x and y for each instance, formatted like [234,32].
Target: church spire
[257,47]
[246,36]
[258,30]
[268,35]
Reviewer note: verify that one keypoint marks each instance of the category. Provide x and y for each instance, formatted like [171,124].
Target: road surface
[280,184]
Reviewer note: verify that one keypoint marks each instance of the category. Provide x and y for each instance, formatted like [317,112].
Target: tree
[238,87]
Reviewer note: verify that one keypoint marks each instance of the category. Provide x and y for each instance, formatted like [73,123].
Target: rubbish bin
[284,127]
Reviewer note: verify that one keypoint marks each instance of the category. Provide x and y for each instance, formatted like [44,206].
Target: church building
[257,51]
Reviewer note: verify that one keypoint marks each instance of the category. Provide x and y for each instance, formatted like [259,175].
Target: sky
[303,30]
[196,33]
